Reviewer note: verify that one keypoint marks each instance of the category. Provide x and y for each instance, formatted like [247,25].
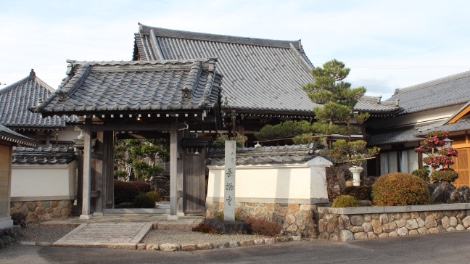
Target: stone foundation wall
[39,211]
[343,226]
[296,219]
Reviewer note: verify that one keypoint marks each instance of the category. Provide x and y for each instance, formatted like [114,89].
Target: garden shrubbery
[345,201]
[154,195]
[262,226]
[125,192]
[359,192]
[400,189]
[144,201]
[142,186]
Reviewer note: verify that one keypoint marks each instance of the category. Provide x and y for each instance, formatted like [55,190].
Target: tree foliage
[130,154]
[336,113]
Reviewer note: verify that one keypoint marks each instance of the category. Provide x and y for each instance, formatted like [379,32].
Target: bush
[204,229]
[124,192]
[400,189]
[262,226]
[144,201]
[444,175]
[142,186]
[423,173]
[359,192]
[345,201]
[154,195]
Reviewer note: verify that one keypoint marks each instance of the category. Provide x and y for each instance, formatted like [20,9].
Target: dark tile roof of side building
[40,155]
[16,99]
[265,155]
[9,135]
[148,86]
[260,75]
[451,90]
[376,107]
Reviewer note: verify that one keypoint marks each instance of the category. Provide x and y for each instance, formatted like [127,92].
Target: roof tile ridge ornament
[156,44]
[183,34]
[307,64]
[191,81]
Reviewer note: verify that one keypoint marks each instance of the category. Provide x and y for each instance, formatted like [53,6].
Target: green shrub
[220,215]
[423,173]
[400,189]
[444,175]
[345,201]
[119,173]
[144,201]
[142,186]
[262,226]
[124,192]
[359,192]
[154,195]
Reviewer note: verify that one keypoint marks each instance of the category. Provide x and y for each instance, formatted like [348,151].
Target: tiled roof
[447,91]
[375,106]
[9,135]
[136,86]
[16,99]
[400,135]
[265,155]
[42,155]
[259,75]
[461,125]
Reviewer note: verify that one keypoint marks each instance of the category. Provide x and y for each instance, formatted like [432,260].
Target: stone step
[160,211]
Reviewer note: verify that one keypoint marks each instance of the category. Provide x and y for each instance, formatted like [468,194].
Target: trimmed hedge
[124,192]
[344,201]
[400,189]
[359,192]
[144,201]
[142,186]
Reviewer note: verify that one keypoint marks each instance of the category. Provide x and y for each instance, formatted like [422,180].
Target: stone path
[118,235]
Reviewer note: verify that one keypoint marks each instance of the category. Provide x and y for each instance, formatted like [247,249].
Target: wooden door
[5,170]
[194,184]
[461,165]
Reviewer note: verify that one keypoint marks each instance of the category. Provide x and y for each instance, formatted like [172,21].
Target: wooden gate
[194,175]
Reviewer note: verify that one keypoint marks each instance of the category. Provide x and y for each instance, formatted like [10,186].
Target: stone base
[296,219]
[39,211]
[227,227]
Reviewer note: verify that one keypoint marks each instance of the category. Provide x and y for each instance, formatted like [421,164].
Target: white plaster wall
[301,181]
[44,180]
[68,134]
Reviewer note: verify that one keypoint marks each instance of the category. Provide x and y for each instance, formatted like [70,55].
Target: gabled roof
[376,107]
[260,75]
[16,99]
[149,86]
[448,91]
[9,135]
[460,121]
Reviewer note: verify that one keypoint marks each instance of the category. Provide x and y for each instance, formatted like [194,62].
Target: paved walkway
[105,234]
[120,230]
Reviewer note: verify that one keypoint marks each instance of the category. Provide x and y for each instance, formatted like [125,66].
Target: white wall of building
[44,182]
[278,182]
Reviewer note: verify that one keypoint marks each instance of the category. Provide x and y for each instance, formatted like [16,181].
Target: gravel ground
[51,233]
[44,233]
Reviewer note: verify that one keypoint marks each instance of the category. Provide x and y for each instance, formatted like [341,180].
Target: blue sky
[387,44]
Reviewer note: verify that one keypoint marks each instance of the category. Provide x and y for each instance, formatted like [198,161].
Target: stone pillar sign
[229,188]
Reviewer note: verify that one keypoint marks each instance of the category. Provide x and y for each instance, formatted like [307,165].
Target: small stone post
[356,171]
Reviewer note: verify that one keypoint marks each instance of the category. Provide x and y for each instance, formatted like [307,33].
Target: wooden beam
[173,168]
[130,127]
[86,214]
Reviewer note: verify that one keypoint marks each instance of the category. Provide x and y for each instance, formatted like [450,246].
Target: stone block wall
[39,211]
[296,219]
[344,225]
